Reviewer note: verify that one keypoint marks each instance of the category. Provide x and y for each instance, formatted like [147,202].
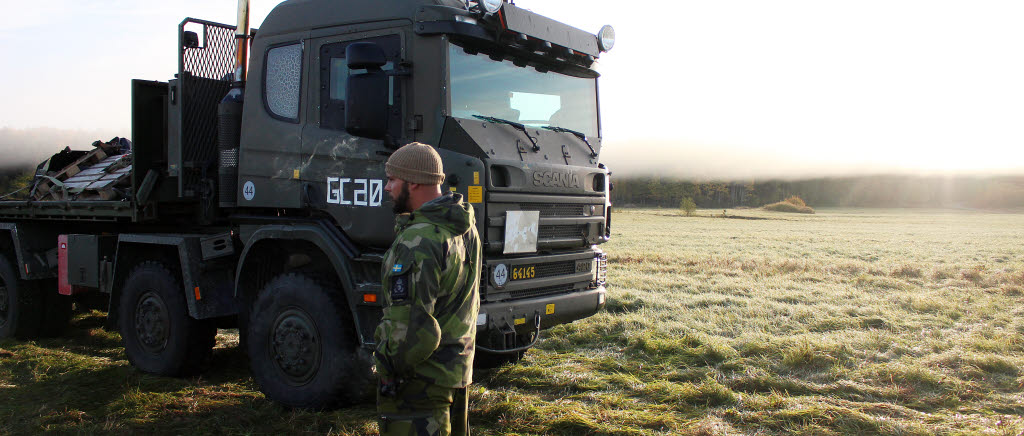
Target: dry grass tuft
[907,272]
[792,204]
[783,206]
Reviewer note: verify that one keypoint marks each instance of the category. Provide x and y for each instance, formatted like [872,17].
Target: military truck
[255,197]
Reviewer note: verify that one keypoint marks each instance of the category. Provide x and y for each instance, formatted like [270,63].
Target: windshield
[481,86]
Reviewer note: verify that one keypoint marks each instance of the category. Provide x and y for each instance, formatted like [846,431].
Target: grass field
[847,321]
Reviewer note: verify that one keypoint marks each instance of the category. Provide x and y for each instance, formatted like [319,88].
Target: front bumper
[519,315]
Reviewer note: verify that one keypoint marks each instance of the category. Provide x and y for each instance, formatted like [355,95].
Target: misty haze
[26,148]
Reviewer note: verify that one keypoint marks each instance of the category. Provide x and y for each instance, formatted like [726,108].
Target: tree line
[863,191]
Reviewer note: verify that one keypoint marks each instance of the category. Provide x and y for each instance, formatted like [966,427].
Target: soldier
[431,284]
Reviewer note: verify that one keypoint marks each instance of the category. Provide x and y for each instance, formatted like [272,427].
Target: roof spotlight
[606,38]
[491,6]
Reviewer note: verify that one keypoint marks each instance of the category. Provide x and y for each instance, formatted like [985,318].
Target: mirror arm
[389,142]
[404,69]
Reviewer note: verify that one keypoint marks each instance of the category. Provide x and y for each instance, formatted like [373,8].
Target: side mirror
[366,90]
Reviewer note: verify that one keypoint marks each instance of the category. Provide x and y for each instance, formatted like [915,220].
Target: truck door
[269,160]
[344,174]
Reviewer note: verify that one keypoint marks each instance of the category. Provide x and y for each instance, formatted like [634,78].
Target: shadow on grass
[50,387]
[83,383]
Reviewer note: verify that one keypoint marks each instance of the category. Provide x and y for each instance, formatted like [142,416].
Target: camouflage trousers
[424,409]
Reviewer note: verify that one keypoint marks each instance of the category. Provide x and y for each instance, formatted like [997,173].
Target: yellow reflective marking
[476,177]
[453,189]
[295,174]
[549,309]
[476,194]
[520,321]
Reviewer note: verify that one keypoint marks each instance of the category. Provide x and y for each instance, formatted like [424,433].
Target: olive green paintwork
[302,164]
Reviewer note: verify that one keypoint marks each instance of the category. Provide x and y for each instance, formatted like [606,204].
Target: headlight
[491,6]
[606,38]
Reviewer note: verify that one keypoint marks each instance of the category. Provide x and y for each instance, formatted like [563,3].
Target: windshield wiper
[515,125]
[575,133]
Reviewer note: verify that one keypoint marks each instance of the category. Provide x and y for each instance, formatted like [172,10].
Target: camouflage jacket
[431,288]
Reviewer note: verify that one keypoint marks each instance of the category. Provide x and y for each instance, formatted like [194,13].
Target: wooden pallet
[96,182]
[46,187]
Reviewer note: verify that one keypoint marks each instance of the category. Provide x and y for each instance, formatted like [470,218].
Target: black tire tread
[351,383]
[200,335]
[28,303]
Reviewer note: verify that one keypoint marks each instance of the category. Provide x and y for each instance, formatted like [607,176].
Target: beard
[402,200]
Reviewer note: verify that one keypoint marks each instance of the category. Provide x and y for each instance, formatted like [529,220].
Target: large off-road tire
[20,304]
[158,334]
[302,345]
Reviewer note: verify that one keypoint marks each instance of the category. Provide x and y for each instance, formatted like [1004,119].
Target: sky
[700,89]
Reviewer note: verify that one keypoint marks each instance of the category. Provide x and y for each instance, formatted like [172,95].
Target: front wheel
[158,334]
[302,345]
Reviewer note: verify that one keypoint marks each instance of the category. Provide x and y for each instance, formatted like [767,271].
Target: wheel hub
[152,323]
[295,343]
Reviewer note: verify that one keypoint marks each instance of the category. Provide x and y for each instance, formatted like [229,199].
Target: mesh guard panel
[205,78]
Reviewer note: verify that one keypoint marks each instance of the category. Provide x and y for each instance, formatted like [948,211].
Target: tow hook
[510,336]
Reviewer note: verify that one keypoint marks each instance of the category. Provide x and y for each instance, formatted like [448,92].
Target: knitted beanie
[416,163]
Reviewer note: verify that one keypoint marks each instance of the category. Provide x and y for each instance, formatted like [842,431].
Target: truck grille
[553,232]
[556,209]
[571,270]
[556,269]
[568,222]
[539,292]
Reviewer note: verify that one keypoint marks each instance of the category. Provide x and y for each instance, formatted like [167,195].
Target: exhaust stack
[229,116]
[242,37]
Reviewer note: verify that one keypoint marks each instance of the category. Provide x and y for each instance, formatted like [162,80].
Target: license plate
[524,272]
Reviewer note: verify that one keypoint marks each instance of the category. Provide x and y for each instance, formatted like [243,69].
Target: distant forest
[12,180]
[863,191]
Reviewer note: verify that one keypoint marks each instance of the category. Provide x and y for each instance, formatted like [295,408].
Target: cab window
[334,73]
[282,81]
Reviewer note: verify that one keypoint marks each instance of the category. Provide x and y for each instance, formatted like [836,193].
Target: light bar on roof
[606,38]
[492,6]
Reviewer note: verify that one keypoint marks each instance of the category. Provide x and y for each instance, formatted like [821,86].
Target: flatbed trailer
[68,210]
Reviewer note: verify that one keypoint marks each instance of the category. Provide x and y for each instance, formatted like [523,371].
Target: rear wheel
[302,345]
[20,304]
[158,334]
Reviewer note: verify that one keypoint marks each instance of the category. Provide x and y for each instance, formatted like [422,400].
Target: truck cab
[509,99]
